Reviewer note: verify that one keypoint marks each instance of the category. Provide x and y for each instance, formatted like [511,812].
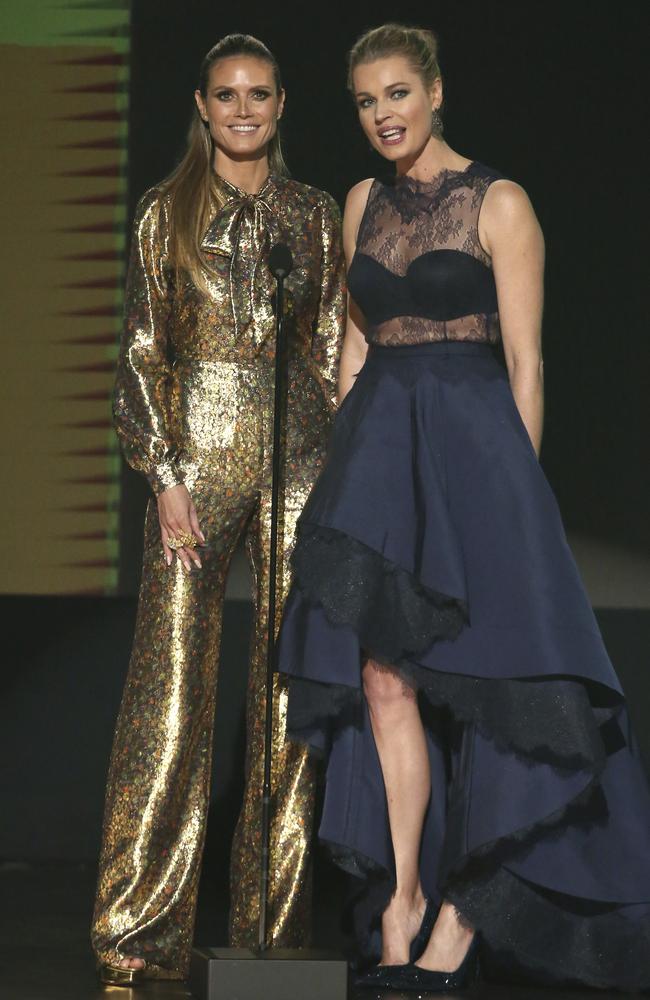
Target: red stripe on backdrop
[82,452]
[91,338]
[93,227]
[111,87]
[92,311]
[92,116]
[113,59]
[115,198]
[102,424]
[116,142]
[88,480]
[86,508]
[100,394]
[94,255]
[91,563]
[112,170]
[114,282]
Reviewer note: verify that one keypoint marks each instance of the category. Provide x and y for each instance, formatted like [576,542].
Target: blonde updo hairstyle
[418,45]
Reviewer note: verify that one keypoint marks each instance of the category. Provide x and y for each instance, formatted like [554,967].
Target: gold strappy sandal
[118,975]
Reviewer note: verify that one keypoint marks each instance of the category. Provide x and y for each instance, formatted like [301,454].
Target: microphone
[280,261]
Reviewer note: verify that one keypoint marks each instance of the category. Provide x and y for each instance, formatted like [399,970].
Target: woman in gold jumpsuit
[193,410]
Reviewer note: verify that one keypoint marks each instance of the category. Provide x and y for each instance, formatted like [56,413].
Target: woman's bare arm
[353,352]
[510,232]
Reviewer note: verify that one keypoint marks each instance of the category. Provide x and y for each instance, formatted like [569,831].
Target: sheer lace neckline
[407,291]
[405,181]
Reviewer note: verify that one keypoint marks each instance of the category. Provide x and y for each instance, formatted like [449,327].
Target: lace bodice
[419,273]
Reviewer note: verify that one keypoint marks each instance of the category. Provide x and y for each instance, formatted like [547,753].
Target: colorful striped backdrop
[63,176]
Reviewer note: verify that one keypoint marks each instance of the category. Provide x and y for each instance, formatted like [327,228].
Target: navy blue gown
[432,543]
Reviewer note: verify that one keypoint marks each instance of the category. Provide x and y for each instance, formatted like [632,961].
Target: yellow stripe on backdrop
[63,182]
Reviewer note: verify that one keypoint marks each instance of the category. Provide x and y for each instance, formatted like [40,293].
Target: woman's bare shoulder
[358,196]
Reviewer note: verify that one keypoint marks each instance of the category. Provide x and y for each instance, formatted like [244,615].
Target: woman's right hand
[177,516]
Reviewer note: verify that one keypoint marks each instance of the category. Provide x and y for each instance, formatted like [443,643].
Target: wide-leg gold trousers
[159,778]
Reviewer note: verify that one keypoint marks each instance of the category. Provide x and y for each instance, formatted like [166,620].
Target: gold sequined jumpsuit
[193,404]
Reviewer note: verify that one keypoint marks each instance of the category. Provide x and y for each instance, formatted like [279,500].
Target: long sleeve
[140,403]
[329,325]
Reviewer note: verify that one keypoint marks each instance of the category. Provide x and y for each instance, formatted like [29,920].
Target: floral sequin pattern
[193,404]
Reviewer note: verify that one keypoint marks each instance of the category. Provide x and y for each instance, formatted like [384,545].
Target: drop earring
[436,123]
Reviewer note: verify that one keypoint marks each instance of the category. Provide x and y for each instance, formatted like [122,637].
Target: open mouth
[391,135]
[243,129]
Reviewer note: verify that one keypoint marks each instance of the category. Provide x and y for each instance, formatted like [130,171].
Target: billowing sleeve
[329,325]
[140,404]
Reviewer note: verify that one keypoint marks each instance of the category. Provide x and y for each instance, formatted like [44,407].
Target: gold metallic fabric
[194,404]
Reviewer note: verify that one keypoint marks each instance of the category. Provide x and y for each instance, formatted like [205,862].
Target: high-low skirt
[432,543]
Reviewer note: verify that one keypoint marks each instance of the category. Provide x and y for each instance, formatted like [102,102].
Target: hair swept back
[191,188]
[418,45]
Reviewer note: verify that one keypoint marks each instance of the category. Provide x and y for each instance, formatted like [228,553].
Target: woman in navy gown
[482,776]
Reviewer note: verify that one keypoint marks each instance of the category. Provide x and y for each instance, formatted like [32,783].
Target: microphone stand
[280,264]
[272,973]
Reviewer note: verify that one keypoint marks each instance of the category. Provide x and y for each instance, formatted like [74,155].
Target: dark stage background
[549,93]
[552,95]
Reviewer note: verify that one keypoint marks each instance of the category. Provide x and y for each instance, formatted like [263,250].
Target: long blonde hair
[191,191]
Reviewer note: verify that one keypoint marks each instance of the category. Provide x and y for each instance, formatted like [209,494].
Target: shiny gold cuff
[163,477]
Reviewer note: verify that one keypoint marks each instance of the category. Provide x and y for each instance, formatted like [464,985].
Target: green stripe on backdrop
[39,22]
[72,481]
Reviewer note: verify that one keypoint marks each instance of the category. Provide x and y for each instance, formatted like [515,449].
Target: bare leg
[401,745]
[448,943]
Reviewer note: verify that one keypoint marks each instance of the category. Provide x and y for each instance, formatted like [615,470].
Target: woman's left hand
[179,521]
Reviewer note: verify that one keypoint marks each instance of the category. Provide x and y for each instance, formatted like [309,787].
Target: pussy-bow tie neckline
[222,235]
[244,229]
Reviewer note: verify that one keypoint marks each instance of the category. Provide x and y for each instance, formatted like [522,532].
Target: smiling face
[395,106]
[241,106]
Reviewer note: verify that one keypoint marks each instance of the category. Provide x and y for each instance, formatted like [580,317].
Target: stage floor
[45,954]
[61,690]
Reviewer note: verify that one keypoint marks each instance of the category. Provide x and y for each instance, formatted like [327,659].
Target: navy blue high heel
[382,975]
[413,978]
[421,939]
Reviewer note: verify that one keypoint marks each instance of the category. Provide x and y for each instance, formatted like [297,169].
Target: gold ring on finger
[174,543]
[188,540]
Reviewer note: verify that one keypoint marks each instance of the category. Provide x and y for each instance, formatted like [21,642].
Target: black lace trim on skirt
[393,613]
[536,934]
[549,720]
[517,716]
[476,868]
[527,932]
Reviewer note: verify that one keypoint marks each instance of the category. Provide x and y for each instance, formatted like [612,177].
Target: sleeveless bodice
[419,273]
